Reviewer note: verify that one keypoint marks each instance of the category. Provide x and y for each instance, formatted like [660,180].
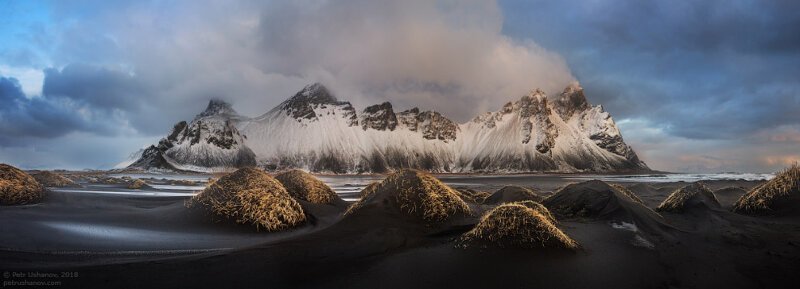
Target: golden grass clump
[367,193]
[136,184]
[251,196]
[18,187]
[369,189]
[625,191]
[416,193]
[516,225]
[539,208]
[305,186]
[780,195]
[473,196]
[50,179]
[696,194]
[183,183]
[510,194]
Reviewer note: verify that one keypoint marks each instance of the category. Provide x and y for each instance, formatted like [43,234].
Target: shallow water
[349,186]
[178,188]
[149,193]
[667,178]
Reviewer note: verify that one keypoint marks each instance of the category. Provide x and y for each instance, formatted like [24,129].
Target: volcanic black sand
[104,235]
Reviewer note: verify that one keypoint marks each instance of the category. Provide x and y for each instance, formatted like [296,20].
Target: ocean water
[349,186]
[667,178]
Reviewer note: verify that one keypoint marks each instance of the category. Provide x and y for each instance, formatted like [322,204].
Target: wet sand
[148,239]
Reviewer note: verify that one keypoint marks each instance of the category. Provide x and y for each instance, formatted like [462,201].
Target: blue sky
[696,86]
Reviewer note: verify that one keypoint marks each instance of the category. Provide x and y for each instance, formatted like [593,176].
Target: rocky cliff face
[431,124]
[379,117]
[316,131]
[540,133]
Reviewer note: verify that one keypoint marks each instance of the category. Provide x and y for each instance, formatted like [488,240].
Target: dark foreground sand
[121,241]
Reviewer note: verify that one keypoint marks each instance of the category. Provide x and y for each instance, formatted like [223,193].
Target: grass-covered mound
[473,196]
[18,187]
[598,200]
[251,196]
[779,196]
[305,186]
[539,208]
[183,183]
[137,184]
[369,189]
[51,179]
[516,225]
[689,197]
[509,194]
[413,193]
[591,199]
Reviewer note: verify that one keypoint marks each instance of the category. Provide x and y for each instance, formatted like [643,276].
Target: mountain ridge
[316,131]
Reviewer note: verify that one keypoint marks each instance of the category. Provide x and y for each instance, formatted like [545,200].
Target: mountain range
[315,131]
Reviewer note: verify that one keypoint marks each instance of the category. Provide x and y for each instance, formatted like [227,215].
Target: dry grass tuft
[305,186]
[136,184]
[50,179]
[366,194]
[251,196]
[539,208]
[474,196]
[782,190]
[510,194]
[627,193]
[18,187]
[183,183]
[369,189]
[418,194]
[516,225]
[688,196]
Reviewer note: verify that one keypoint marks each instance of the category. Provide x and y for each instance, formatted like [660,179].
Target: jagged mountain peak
[315,93]
[379,117]
[432,124]
[313,97]
[382,106]
[573,87]
[535,94]
[533,102]
[414,110]
[571,100]
[217,107]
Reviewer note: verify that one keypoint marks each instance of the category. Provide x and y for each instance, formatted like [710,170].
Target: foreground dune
[18,187]
[112,240]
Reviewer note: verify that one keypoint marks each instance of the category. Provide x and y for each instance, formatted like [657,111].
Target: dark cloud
[97,87]
[700,74]
[38,117]
[77,98]
[697,69]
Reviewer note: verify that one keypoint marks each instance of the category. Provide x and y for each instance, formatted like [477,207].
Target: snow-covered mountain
[211,142]
[314,130]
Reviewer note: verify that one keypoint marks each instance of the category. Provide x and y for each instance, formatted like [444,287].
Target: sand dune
[624,243]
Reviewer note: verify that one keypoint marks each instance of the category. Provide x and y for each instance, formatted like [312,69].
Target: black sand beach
[91,239]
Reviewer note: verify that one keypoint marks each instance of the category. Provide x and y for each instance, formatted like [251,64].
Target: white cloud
[453,58]
[29,78]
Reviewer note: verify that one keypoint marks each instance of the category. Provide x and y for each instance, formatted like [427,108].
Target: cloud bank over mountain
[711,79]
